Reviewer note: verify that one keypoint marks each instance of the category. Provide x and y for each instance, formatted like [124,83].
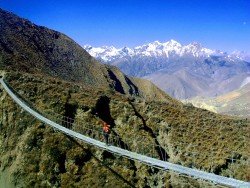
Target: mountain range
[183,71]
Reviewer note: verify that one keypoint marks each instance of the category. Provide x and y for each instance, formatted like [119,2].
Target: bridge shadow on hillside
[102,110]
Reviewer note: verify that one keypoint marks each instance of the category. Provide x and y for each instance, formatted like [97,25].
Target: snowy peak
[156,49]
[128,51]
[240,55]
[197,50]
[106,53]
[172,43]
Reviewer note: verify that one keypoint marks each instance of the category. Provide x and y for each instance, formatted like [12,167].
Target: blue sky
[220,24]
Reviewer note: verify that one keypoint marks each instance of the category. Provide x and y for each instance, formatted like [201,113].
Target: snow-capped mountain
[240,55]
[154,49]
[105,53]
[183,71]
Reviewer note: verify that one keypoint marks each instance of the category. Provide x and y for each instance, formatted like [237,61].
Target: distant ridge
[160,49]
[183,71]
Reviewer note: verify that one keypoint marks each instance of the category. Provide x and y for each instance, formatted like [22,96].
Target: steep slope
[233,103]
[27,47]
[34,155]
[213,72]
[180,83]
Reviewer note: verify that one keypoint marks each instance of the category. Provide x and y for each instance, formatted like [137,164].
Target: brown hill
[27,47]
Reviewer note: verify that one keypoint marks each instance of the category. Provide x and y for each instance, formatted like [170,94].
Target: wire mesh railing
[143,146]
[167,176]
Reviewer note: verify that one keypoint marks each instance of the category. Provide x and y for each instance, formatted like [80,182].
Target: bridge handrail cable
[132,155]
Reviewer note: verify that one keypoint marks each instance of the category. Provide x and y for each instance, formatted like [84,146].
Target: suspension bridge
[118,148]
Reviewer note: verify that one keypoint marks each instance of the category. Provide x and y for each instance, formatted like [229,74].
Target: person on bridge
[106,131]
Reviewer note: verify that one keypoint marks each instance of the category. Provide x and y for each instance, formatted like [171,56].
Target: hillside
[235,103]
[180,83]
[27,47]
[33,154]
[183,71]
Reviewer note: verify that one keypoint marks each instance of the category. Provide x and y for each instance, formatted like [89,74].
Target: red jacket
[106,127]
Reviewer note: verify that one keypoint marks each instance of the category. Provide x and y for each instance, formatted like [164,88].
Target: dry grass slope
[36,155]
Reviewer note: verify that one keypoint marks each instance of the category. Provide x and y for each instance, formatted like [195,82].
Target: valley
[236,103]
